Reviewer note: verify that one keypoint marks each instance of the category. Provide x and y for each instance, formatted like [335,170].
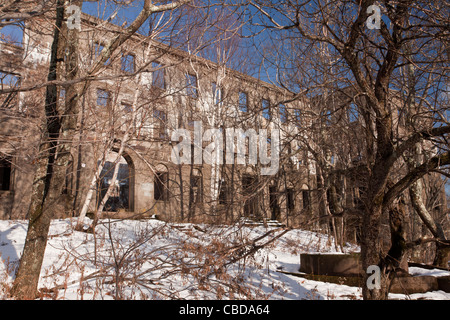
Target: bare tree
[367,63]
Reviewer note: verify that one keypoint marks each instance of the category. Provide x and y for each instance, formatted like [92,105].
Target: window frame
[98,48]
[161,186]
[107,99]
[243,107]
[158,75]
[284,114]
[160,118]
[191,85]
[127,64]
[265,109]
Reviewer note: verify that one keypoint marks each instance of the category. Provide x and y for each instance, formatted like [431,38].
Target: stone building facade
[160,90]
[145,95]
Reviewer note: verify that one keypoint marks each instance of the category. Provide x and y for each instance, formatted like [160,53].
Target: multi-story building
[154,93]
[149,99]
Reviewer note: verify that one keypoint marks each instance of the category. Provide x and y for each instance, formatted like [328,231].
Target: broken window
[218,93]
[243,101]
[158,76]
[352,112]
[103,98]
[127,63]
[8,81]
[12,34]
[191,86]
[283,113]
[265,104]
[98,48]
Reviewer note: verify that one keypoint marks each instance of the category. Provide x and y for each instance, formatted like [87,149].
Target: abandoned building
[146,91]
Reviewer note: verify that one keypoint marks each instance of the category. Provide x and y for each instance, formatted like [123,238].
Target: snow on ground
[150,259]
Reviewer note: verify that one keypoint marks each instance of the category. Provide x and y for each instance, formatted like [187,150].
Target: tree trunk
[43,199]
[442,250]
[371,250]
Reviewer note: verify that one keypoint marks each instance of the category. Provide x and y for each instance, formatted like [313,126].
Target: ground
[151,259]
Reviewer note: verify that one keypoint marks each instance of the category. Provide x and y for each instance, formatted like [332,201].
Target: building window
[128,108]
[5,174]
[8,81]
[103,98]
[196,191]
[290,202]
[158,76]
[12,33]
[191,86]
[160,121]
[62,94]
[265,104]
[273,203]
[128,63]
[328,118]
[306,199]
[161,191]
[243,101]
[283,113]
[352,112]
[127,116]
[98,48]
[218,93]
[298,117]
[223,190]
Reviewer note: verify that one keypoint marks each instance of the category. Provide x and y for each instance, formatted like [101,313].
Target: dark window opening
[223,192]
[306,199]
[275,209]
[5,174]
[161,191]
[249,186]
[196,191]
[290,202]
